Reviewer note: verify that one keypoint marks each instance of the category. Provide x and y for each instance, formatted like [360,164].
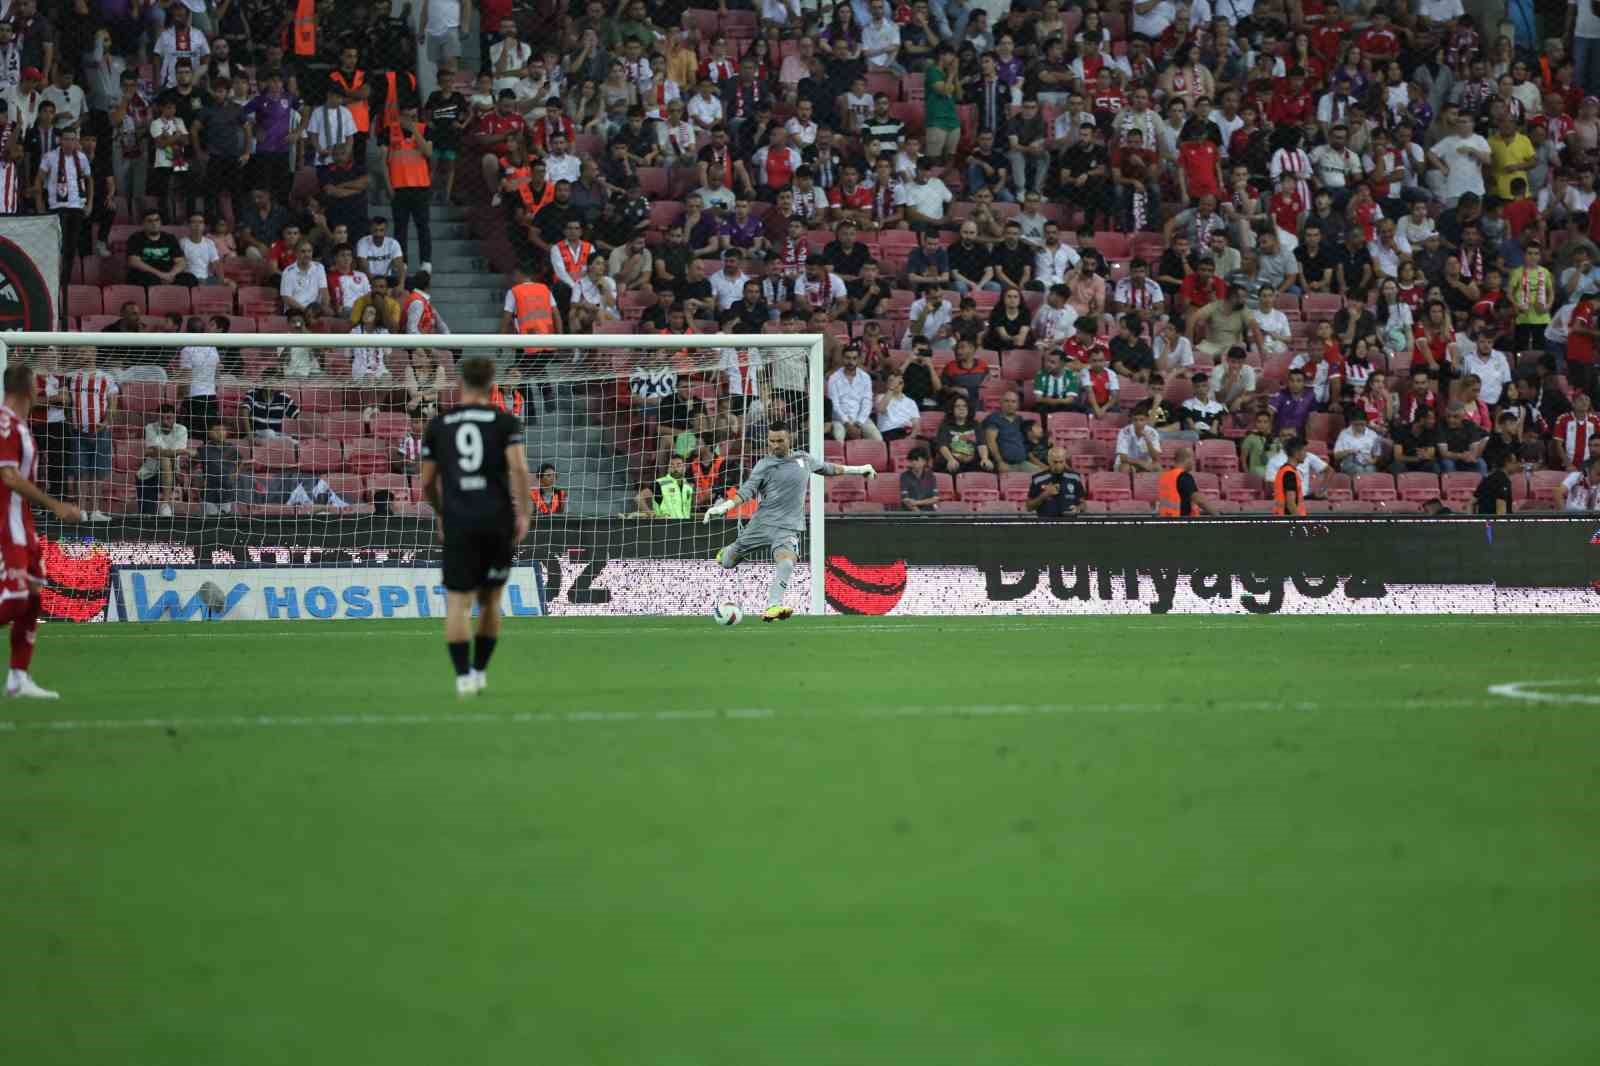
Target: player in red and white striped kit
[19,543]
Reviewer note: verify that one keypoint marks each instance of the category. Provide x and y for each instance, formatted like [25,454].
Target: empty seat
[867,453]
[861,507]
[845,489]
[1375,487]
[274,455]
[367,455]
[1417,486]
[1216,456]
[886,490]
[211,300]
[977,486]
[398,486]
[112,297]
[1110,486]
[320,455]
[1015,486]
[344,425]
[169,299]
[1146,486]
[83,300]
[390,425]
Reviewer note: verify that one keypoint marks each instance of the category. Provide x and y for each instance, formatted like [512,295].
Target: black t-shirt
[1134,354]
[160,251]
[1319,267]
[1071,492]
[444,110]
[971,261]
[844,262]
[871,296]
[188,104]
[469,445]
[1355,262]
[1014,261]
[1497,486]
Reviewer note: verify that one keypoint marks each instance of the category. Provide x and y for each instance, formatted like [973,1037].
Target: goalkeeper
[779,482]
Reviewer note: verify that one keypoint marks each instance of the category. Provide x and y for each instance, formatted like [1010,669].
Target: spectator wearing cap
[22,102]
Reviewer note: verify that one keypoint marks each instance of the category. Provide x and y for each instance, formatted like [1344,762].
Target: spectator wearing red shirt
[1079,349]
[1576,433]
[1202,286]
[1199,161]
[1287,205]
[553,122]
[492,134]
[1581,335]
[1291,104]
[1379,39]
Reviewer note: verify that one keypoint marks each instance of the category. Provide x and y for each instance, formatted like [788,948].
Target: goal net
[275,476]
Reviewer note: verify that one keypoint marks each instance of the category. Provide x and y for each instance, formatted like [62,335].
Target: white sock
[780,582]
[16,677]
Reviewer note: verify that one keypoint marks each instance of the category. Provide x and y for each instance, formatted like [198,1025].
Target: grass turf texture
[1158,840]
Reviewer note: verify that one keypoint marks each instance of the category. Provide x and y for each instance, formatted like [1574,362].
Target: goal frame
[468,342]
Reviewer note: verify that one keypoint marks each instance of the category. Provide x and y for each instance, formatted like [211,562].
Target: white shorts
[444,46]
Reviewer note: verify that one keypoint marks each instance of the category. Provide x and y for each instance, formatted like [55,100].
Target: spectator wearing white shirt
[705,107]
[1269,327]
[509,58]
[367,365]
[165,441]
[1490,367]
[880,39]
[71,104]
[925,198]
[559,163]
[1388,249]
[377,252]
[1580,490]
[1459,161]
[180,41]
[1359,450]
[1138,443]
[1309,468]
[198,365]
[597,291]
[200,254]
[850,392]
[897,414]
[329,126]
[1152,17]
[1056,320]
[304,284]
[929,316]
[727,284]
[1337,167]
[1055,260]
[802,127]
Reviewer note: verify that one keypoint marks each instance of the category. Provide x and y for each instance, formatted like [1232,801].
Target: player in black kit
[475,474]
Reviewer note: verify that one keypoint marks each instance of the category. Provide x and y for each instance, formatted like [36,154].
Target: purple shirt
[742,236]
[1009,70]
[270,116]
[1287,411]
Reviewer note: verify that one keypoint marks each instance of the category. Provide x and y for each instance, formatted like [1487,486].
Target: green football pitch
[1126,841]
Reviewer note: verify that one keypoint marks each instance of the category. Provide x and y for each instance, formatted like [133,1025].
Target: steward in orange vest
[353,83]
[703,474]
[530,307]
[304,27]
[1288,494]
[1176,495]
[556,502]
[497,398]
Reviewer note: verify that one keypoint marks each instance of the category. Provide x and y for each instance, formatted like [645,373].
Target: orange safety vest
[1279,496]
[535,307]
[305,27]
[557,503]
[358,108]
[704,479]
[747,509]
[1169,502]
[391,101]
[575,262]
[408,167]
[497,397]
[535,203]
[425,323]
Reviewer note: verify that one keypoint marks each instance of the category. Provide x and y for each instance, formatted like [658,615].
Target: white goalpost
[273,475]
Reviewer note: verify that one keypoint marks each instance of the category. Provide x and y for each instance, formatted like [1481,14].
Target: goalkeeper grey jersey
[780,485]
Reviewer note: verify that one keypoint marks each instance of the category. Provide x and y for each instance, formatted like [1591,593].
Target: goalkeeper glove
[866,470]
[721,507]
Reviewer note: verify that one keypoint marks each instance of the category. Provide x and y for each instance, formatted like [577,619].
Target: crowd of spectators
[1117,229]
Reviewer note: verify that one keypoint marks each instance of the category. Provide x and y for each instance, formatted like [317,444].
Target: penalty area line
[1530,692]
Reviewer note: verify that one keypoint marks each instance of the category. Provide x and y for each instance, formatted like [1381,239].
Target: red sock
[24,627]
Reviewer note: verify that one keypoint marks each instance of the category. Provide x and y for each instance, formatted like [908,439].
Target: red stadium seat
[946,485]
[112,297]
[318,455]
[1375,487]
[211,300]
[845,489]
[1146,486]
[977,486]
[1239,487]
[169,299]
[1458,486]
[258,300]
[833,451]
[274,455]
[1216,456]
[1320,305]
[390,425]
[867,452]
[319,398]
[900,450]
[1418,486]
[1110,486]
[861,507]
[1019,365]
[83,300]
[1139,507]
[368,455]
[1015,486]
[344,425]
[886,490]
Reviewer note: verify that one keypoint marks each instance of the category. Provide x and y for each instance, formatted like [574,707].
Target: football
[727,614]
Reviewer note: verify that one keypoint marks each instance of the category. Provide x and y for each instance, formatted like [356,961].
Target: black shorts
[477,558]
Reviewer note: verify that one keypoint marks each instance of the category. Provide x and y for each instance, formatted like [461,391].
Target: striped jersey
[91,392]
[268,408]
[16,450]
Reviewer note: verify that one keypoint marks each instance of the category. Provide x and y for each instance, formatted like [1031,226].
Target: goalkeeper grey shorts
[753,539]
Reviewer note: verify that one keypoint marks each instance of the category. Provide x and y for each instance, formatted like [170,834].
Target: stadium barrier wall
[889,565]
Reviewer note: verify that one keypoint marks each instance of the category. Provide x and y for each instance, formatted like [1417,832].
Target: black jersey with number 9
[468,444]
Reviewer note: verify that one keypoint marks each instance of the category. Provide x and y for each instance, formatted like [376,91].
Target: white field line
[589,629]
[1529,692]
[478,718]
